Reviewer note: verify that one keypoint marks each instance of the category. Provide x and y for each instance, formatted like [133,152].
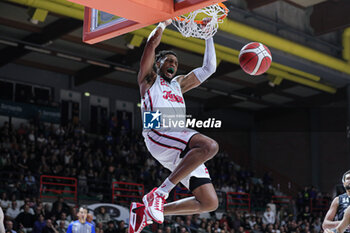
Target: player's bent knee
[213,204]
[211,148]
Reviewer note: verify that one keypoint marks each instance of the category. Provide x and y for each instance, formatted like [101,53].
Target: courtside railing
[319,204]
[124,192]
[53,186]
[238,201]
[281,200]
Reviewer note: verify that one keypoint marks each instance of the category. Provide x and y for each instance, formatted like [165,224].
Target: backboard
[105,19]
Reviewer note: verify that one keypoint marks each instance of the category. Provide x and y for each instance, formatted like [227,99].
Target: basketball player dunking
[338,216]
[182,151]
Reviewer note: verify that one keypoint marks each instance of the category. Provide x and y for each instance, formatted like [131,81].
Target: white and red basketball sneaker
[138,218]
[154,204]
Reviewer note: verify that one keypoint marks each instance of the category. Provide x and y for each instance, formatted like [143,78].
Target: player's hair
[343,178]
[163,53]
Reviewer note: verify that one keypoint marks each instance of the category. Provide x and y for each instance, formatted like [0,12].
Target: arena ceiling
[56,45]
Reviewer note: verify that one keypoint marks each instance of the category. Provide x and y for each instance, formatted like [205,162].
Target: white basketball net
[191,26]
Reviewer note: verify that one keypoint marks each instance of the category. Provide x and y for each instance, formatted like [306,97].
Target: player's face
[82,214]
[346,182]
[168,66]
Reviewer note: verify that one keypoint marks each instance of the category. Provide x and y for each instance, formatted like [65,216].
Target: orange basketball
[255,58]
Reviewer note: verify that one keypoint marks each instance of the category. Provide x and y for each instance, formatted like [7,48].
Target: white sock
[166,187]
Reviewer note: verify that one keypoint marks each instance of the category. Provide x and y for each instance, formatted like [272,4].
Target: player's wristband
[161,25]
[209,62]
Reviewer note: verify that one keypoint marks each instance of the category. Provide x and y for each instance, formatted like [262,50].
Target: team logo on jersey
[151,120]
[172,97]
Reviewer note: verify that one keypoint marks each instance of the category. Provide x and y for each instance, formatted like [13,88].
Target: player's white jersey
[165,97]
[169,145]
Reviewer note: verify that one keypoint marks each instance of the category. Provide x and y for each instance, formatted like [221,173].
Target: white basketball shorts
[170,147]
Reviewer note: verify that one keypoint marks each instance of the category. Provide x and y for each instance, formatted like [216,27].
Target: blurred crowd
[240,221]
[32,215]
[98,160]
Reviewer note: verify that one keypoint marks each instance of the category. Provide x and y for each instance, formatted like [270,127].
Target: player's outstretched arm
[148,56]
[199,75]
[328,222]
[343,225]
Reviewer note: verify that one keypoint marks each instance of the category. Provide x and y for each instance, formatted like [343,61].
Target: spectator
[65,207]
[39,209]
[256,229]
[305,215]
[63,218]
[30,183]
[73,216]
[178,223]
[99,227]
[39,224]
[9,226]
[240,229]
[110,228]
[90,219]
[272,207]
[306,196]
[269,228]
[282,214]
[252,221]
[83,185]
[223,219]
[5,203]
[236,220]
[49,228]
[184,230]
[46,211]
[57,211]
[41,139]
[26,219]
[246,224]
[31,136]
[268,216]
[27,202]
[61,227]
[103,216]
[188,224]
[168,229]
[13,211]
[317,225]
[121,227]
